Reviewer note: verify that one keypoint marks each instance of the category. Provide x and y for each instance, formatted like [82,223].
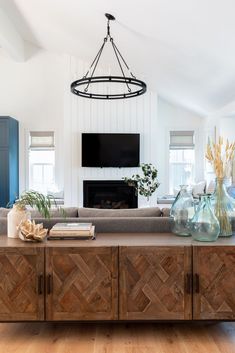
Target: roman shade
[42,139]
[181,140]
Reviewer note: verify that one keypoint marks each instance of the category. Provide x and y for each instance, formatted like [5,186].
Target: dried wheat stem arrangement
[220,156]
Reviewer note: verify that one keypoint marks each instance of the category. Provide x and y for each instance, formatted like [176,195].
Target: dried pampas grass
[220,156]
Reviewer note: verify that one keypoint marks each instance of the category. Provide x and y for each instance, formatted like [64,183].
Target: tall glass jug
[182,211]
[222,205]
[204,225]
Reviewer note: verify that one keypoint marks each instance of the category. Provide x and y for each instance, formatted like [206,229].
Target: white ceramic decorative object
[14,218]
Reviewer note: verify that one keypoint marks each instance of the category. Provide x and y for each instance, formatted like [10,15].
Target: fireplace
[108,194]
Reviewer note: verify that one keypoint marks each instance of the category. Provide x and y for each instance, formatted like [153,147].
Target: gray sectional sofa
[139,220]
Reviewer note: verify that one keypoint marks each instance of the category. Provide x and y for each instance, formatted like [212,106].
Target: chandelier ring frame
[140,85]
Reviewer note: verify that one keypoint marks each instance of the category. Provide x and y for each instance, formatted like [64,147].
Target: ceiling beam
[10,39]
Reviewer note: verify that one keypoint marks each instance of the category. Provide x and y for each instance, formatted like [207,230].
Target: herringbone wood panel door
[20,298]
[83,283]
[214,294]
[155,283]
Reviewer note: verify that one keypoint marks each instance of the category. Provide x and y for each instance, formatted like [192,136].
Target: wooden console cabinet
[82,283]
[117,277]
[21,276]
[155,283]
[214,282]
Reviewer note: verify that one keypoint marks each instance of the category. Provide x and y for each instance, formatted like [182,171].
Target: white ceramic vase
[14,217]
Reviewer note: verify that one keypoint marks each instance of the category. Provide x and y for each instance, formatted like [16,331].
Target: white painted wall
[37,93]
[227,128]
[135,115]
[173,117]
[148,115]
[10,39]
[32,92]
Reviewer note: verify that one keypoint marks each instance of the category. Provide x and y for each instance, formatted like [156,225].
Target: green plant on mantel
[35,199]
[146,184]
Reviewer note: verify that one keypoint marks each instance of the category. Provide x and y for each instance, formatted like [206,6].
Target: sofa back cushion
[198,189]
[166,212]
[4,212]
[129,212]
[69,212]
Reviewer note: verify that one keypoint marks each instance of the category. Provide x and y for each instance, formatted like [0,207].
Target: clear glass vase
[182,211]
[222,205]
[204,225]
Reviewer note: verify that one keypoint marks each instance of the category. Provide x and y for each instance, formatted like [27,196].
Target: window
[41,161]
[181,159]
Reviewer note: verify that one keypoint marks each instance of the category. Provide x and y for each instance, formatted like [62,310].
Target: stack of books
[72,231]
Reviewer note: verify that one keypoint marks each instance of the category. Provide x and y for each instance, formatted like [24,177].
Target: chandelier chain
[123,60]
[95,65]
[120,65]
[100,50]
[117,54]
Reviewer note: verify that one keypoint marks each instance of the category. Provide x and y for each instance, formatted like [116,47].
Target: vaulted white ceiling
[184,49]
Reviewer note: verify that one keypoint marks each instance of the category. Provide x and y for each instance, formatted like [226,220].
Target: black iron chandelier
[134,87]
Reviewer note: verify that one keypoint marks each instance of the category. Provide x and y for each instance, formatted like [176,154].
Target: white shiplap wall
[135,115]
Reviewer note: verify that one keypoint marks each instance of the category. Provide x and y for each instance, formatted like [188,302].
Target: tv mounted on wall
[110,150]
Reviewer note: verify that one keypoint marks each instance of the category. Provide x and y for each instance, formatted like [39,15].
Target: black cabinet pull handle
[49,284]
[197,284]
[188,283]
[40,284]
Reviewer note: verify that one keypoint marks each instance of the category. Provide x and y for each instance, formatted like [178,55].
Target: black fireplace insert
[112,194]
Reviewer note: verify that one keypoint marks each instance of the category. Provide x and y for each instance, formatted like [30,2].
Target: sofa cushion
[166,212]
[4,212]
[57,213]
[198,189]
[3,225]
[130,212]
[118,224]
[210,187]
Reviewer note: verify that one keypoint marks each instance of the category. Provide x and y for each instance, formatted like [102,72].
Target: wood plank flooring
[117,338]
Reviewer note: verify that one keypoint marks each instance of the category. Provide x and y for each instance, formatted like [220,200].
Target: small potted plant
[146,184]
[19,211]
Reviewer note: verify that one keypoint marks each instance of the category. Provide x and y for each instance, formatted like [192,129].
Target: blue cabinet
[9,160]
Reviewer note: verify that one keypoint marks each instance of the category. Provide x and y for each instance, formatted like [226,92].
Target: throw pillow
[198,188]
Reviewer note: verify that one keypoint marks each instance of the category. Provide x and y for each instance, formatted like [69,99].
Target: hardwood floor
[117,338]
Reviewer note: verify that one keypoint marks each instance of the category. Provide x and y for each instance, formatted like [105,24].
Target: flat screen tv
[110,150]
